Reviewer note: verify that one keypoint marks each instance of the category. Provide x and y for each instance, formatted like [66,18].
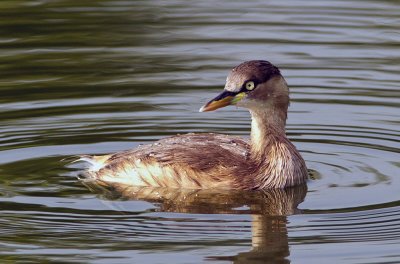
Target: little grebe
[200,161]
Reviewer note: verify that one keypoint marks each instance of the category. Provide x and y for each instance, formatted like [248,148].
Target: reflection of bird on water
[272,202]
[205,161]
[269,209]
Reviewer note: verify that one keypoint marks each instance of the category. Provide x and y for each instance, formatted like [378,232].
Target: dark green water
[102,76]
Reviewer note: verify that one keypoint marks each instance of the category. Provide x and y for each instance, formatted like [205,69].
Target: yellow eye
[250,85]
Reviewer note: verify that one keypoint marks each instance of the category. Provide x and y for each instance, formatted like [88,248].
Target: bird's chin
[251,104]
[244,103]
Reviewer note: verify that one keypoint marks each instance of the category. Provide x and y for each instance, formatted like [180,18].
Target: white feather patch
[95,165]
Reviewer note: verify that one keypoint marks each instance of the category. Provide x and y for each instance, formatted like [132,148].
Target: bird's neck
[267,127]
[277,162]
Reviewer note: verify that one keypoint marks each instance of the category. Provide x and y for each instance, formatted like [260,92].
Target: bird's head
[256,85]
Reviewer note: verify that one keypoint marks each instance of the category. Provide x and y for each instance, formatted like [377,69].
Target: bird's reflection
[268,208]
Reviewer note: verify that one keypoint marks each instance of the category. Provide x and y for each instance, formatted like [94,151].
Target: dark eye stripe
[223,95]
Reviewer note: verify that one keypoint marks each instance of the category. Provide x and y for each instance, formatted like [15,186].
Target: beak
[224,99]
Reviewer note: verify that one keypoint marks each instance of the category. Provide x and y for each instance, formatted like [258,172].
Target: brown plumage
[204,161]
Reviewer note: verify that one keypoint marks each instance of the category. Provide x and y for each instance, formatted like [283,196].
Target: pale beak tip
[202,109]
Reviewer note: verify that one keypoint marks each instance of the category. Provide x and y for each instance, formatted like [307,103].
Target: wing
[189,161]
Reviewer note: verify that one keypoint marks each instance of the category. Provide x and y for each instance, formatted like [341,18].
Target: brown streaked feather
[192,161]
[191,149]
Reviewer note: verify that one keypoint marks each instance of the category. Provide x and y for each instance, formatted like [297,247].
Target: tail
[96,163]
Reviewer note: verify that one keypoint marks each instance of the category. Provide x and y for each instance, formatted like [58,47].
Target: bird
[268,160]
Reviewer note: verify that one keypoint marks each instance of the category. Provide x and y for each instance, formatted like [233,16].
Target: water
[79,77]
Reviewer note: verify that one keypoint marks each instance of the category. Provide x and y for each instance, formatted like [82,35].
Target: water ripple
[103,76]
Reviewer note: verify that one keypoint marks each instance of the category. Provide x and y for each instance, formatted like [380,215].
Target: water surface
[93,78]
